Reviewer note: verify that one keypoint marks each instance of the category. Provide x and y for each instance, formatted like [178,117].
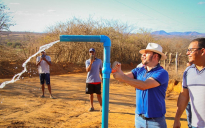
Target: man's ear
[203,52]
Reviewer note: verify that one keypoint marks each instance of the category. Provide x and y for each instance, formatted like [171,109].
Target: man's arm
[38,62]
[48,62]
[128,78]
[182,102]
[90,66]
[101,72]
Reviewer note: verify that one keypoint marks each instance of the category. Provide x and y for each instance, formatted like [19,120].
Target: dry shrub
[125,44]
[178,88]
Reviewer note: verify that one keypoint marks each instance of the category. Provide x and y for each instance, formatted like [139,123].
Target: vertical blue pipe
[106,67]
[106,80]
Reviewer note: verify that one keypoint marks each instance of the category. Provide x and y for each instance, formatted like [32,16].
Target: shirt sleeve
[38,59]
[134,72]
[100,64]
[184,80]
[49,58]
[161,76]
[87,63]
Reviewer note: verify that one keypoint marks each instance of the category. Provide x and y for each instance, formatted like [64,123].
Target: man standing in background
[44,62]
[93,81]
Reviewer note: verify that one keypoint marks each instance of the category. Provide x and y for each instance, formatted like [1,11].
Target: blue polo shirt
[151,102]
[93,75]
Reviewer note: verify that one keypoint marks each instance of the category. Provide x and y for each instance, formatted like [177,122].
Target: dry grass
[125,44]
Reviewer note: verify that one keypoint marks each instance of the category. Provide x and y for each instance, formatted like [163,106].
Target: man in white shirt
[44,62]
[193,86]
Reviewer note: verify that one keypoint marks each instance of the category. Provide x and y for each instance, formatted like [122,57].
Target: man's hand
[117,72]
[177,124]
[118,76]
[116,67]
[91,61]
[43,58]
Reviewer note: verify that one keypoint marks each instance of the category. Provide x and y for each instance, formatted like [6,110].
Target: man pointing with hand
[151,82]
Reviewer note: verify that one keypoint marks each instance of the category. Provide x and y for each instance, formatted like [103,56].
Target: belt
[143,117]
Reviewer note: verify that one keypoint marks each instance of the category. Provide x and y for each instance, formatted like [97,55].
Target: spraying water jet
[106,66]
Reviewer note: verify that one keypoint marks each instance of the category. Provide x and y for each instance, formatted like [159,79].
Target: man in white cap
[93,81]
[44,62]
[150,82]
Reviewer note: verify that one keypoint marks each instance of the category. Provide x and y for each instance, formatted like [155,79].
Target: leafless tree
[5,17]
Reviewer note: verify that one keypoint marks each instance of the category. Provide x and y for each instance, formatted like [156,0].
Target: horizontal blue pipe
[80,38]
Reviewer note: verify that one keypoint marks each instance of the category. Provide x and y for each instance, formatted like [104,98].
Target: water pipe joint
[106,40]
[106,70]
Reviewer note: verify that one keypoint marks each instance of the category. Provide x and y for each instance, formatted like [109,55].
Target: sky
[151,15]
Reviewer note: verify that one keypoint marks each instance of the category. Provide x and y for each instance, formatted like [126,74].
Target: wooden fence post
[176,63]
[179,61]
[165,61]
[170,58]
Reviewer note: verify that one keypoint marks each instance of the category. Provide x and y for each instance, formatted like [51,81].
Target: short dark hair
[158,55]
[201,42]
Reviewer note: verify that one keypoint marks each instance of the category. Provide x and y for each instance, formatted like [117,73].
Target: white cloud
[201,3]
[22,13]
[51,10]
[14,3]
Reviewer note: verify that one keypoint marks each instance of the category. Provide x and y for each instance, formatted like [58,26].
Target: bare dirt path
[21,106]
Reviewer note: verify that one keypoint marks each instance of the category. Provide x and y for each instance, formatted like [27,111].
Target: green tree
[5,17]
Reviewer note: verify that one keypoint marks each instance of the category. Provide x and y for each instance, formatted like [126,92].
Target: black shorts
[93,88]
[45,77]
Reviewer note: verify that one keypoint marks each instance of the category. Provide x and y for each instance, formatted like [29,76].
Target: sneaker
[42,96]
[51,97]
[91,109]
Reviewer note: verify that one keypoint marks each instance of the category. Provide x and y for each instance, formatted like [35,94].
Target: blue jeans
[159,122]
[188,113]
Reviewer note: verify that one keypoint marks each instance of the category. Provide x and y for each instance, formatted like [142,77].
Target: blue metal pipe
[106,70]
[80,38]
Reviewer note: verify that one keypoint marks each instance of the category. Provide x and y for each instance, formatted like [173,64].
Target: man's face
[194,52]
[142,59]
[91,53]
[147,57]
[43,53]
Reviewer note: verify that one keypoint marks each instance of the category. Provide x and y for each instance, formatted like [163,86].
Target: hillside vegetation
[125,44]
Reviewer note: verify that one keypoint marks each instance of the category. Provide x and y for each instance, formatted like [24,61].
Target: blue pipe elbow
[106,40]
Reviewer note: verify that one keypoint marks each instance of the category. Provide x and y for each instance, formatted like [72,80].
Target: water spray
[16,77]
[106,70]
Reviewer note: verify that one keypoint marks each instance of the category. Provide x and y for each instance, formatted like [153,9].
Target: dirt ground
[21,105]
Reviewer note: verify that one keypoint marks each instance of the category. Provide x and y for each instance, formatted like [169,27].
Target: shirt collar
[157,66]
[194,66]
